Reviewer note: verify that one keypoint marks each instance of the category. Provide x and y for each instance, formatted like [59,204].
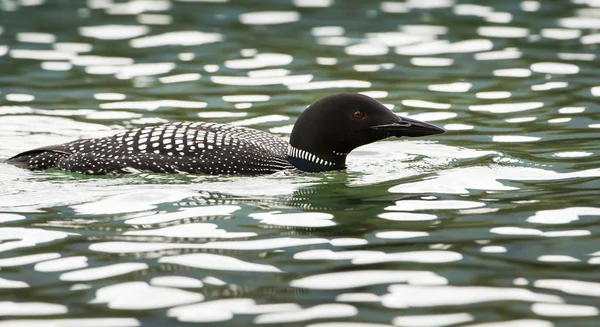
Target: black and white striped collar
[307,161]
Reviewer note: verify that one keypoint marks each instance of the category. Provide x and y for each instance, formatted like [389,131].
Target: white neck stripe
[298,153]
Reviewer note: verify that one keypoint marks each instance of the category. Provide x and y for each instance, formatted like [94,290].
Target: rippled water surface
[495,223]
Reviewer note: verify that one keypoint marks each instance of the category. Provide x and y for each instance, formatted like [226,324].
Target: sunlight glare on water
[492,224]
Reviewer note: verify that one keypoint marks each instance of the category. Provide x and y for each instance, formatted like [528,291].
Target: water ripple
[456,229]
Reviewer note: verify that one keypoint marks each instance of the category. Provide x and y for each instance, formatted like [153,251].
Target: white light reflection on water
[394,7]
[549,86]
[570,286]
[327,31]
[176,282]
[414,256]
[216,262]
[268,72]
[509,53]
[78,47]
[437,320]
[412,205]
[433,214]
[425,104]
[366,49]
[403,296]
[141,296]
[153,105]
[397,234]
[95,322]
[269,17]
[502,31]
[564,310]
[432,62]
[6,217]
[313,3]
[560,33]
[110,96]
[247,81]
[113,32]
[35,37]
[493,249]
[137,7]
[246,98]
[453,87]
[357,297]
[317,85]
[18,237]
[8,308]
[62,264]
[557,258]
[443,46]
[407,216]
[27,259]
[460,181]
[92,60]
[573,154]
[198,230]
[361,278]
[562,216]
[520,119]
[458,127]
[224,310]
[508,230]
[135,201]
[154,19]
[576,56]
[554,68]
[512,72]
[10,284]
[180,78]
[331,255]
[261,60]
[261,120]
[321,311]
[19,97]
[306,219]
[500,108]
[411,35]
[515,323]
[514,138]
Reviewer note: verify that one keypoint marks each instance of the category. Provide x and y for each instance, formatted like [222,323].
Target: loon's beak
[409,127]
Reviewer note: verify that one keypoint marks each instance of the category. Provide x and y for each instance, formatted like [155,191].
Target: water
[494,223]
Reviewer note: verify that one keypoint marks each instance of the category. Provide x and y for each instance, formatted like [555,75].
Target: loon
[321,138]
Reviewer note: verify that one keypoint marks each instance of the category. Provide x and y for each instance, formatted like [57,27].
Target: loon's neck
[315,162]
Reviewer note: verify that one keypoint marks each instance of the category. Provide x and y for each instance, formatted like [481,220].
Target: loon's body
[197,148]
[321,139]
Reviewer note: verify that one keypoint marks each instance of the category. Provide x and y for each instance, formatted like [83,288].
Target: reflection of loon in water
[334,195]
[321,139]
[352,212]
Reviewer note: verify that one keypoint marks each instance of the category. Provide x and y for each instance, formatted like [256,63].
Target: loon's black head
[330,128]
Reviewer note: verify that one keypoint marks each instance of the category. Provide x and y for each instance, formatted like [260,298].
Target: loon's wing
[203,148]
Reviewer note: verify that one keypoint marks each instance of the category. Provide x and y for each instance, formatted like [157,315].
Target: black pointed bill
[409,127]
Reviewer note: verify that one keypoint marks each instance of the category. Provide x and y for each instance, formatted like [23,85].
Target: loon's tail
[46,158]
[17,160]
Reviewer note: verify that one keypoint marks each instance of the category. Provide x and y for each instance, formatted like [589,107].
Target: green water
[494,223]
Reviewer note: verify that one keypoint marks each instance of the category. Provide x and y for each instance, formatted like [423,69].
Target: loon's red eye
[358,115]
